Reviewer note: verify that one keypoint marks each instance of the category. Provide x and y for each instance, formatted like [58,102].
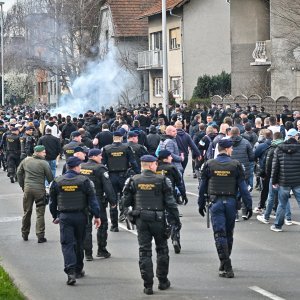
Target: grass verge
[8,290]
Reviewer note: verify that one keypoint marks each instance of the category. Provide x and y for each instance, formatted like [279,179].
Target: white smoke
[101,85]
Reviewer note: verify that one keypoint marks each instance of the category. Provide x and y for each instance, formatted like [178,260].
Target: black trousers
[146,231]
[13,161]
[72,234]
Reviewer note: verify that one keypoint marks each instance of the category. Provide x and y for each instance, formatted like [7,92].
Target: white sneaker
[274,228]
[257,210]
[288,222]
[262,219]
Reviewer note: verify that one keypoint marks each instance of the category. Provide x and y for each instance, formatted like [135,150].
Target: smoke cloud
[101,85]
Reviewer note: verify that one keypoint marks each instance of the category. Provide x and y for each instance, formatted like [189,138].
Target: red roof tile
[125,17]
[156,7]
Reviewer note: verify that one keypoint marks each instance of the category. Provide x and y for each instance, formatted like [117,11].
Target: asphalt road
[266,263]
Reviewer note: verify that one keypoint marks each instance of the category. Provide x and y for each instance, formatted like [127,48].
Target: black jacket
[286,164]
[52,145]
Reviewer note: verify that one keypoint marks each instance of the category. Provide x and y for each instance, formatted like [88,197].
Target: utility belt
[216,198]
[150,215]
[72,211]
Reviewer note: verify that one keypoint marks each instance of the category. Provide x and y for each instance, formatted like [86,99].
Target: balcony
[261,54]
[148,60]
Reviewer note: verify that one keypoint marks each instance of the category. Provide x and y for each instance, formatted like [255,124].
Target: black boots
[225,269]
[71,279]
[164,285]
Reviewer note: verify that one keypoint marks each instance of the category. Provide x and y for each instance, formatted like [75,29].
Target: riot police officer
[119,159]
[28,142]
[138,149]
[98,173]
[221,178]
[150,195]
[13,152]
[75,142]
[70,196]
[166,168]
[3,130]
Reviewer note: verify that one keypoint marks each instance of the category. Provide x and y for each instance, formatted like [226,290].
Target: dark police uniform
[69,149]
[150,195]
[172,173]
[98,173]
[70,196]
[28,142]
[138,151]
[118,158]
[3,163]
[220,180]
[13,152]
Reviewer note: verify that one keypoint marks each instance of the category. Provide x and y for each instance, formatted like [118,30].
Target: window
[176,86]
[156,41]
[158,87]
[175,38]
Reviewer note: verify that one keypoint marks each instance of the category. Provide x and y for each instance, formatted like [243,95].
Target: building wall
[206,40]
[250,22]
[284,38]
[126,49]
[174,56]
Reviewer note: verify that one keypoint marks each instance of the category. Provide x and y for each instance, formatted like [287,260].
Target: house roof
[157,7]
[125,17]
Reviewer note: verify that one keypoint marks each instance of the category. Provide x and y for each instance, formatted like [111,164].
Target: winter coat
[242,151]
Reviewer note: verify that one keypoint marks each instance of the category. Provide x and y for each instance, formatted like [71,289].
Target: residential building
[120,27]
[265,47]
[198,43]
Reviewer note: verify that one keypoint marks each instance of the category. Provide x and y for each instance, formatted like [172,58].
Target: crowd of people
[113,146]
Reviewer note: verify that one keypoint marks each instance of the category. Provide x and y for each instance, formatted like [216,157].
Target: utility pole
[2,55]
[165,59]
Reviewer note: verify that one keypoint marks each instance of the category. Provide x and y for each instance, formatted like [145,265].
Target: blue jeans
[52,164]
[251,173]
[283,197]
[270,203]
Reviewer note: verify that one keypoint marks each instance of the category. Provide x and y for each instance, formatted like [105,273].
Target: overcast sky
[8,4]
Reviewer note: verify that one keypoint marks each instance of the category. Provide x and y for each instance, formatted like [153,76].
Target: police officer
[138,149]
[221,178]
[166,168]
[119,159]
[80,152]
[98,173]
[3,130]
[13,152]
[70,196]
[150,195]
[75,142]
[28,142]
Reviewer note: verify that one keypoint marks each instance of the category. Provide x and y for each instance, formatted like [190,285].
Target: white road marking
[265,293]
[124,227]
[193,194]
[10,219]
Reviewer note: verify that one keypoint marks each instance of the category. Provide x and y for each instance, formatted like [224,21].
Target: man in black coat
[53,148]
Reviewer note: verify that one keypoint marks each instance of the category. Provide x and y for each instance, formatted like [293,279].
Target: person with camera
[150,195]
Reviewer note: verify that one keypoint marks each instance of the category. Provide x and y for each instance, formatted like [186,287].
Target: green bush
[201,101]
[208,86]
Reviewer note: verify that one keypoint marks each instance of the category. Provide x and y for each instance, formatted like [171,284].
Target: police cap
[73,162]
[78,149]
[132,134]
[94,152]
[225,143]
[29,128]
[75,133]
[118,133]
[14,129]
[164,154]
[148,158]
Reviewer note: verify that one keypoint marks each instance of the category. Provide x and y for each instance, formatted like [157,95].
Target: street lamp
[2,50]
[165,59]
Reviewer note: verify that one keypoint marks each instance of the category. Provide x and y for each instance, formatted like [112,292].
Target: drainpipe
[182,39]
